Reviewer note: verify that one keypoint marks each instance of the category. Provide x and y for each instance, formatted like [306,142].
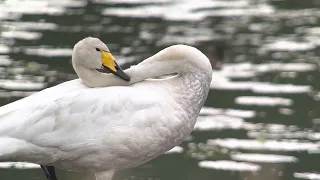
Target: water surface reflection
[261,118]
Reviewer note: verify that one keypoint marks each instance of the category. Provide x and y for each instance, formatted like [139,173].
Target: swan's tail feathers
[11,148]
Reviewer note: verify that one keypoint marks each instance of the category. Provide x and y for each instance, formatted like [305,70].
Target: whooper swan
[127,119]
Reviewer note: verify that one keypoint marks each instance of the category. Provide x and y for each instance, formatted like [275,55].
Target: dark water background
[262,116]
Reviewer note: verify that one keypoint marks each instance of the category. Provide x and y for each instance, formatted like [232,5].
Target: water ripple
[19,165]
[23,26]
[21,85]
[48,52]
[271,145]
[263,158]
[263,101]
[185,10]
[307,175]
[26,35]
[4,49]
[229,165]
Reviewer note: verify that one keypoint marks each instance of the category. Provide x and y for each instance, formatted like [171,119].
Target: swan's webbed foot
[49,172]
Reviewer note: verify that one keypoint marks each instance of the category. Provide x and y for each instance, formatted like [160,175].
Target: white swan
[78,128]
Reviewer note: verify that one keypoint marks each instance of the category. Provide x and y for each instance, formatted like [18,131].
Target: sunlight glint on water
[260,120]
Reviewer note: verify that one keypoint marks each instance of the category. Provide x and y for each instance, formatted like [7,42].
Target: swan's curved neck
[149,68]
[140,72]
[160,64]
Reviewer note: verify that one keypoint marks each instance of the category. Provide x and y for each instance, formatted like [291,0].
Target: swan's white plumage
[73,122]
[105,129]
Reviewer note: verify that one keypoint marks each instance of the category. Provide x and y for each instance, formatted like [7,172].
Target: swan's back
[46,94]
[93,120]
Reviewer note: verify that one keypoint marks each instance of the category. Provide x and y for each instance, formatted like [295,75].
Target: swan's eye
[97,49]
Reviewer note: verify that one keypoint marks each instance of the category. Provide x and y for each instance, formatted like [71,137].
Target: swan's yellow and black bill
[109,65]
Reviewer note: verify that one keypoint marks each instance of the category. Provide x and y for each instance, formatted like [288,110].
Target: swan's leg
[49,172]
[106,175]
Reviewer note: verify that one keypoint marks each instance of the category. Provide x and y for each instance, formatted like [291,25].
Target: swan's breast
[150,129]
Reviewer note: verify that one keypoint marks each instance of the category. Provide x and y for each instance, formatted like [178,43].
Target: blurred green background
[262,116]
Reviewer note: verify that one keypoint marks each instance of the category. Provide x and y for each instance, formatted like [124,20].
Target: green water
[267,90]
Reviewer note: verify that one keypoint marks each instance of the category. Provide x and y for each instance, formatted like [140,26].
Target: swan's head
[92,53]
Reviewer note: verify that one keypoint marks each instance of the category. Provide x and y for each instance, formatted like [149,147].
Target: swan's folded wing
[73,122]
[17,119]
[46,94]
